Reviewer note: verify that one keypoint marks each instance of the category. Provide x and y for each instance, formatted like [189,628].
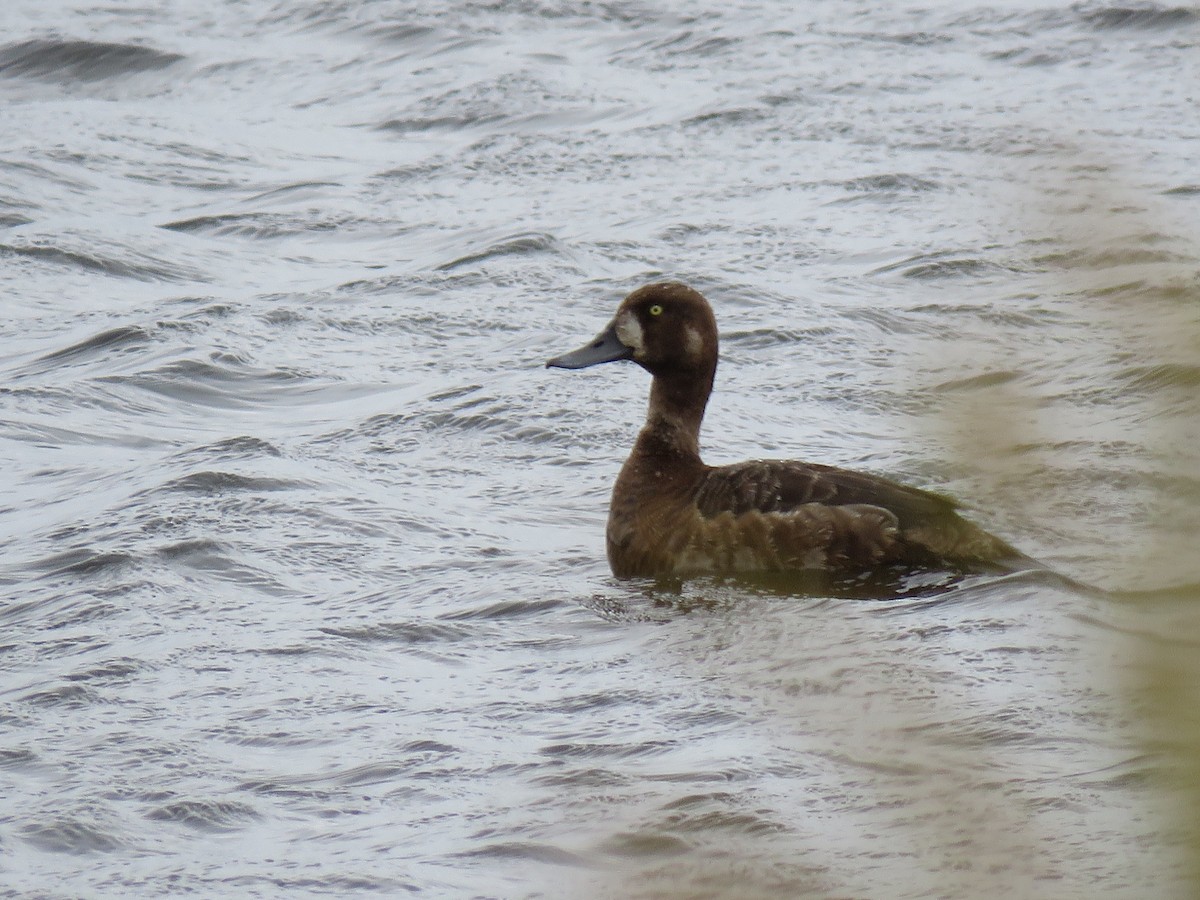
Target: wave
[49,59]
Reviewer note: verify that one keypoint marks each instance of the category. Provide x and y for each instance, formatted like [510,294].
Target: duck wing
[858,515]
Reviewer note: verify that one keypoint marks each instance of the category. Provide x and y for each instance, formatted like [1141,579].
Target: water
[304,580]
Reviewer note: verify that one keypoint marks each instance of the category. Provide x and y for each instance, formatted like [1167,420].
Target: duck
[673,516]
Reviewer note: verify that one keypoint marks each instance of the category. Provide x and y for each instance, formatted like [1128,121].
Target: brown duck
[672,515]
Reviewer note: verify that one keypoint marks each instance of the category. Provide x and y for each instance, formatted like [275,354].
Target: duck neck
[677,402]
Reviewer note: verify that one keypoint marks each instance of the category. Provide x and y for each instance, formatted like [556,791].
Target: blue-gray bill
[604,347]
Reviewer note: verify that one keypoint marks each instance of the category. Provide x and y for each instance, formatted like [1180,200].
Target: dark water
[303,576]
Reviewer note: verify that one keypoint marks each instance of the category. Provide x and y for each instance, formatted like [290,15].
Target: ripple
[514,103]
[588,750]
[527,850]
[1139,16]
[83,561]
[309,785]
[591,777]
[689,820]
[684,46]
[336,884]
[214,482]
[978,382]
[138,266]
[52,60]
[514,245]
[642,844]
[240,447]
[428,746]
[950,268]
[1161,377]
[1085,259]
[263,225]
[223,382]
[120,338]
[70,696]
[205,815]
[590,702]
[417,124]
[373,773]
[480,415]
[70,836]
[742,115]
[401,632]
[507,609]
[16,758]
[1027,57]
[991,729]
[62,610]
[113,670]
[890,184]
[409,36]
[885,320]
[759,338]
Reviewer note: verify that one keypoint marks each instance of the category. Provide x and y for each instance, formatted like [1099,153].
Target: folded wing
[850,517]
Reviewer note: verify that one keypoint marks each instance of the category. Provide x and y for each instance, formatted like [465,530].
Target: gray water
[304,589]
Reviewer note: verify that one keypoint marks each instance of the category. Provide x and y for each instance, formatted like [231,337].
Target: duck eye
[656,310]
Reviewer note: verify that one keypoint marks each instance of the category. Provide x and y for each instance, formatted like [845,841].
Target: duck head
[668,329]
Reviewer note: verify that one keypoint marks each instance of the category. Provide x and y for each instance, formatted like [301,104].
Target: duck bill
[604,347]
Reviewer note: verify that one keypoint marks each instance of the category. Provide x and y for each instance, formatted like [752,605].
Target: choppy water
[304,587]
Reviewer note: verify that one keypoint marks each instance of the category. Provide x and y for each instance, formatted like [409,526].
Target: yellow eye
[656,310]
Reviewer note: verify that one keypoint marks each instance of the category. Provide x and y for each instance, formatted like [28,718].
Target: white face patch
[693,341]
[629,330]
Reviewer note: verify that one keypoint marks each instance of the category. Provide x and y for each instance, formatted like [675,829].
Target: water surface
[304,579]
